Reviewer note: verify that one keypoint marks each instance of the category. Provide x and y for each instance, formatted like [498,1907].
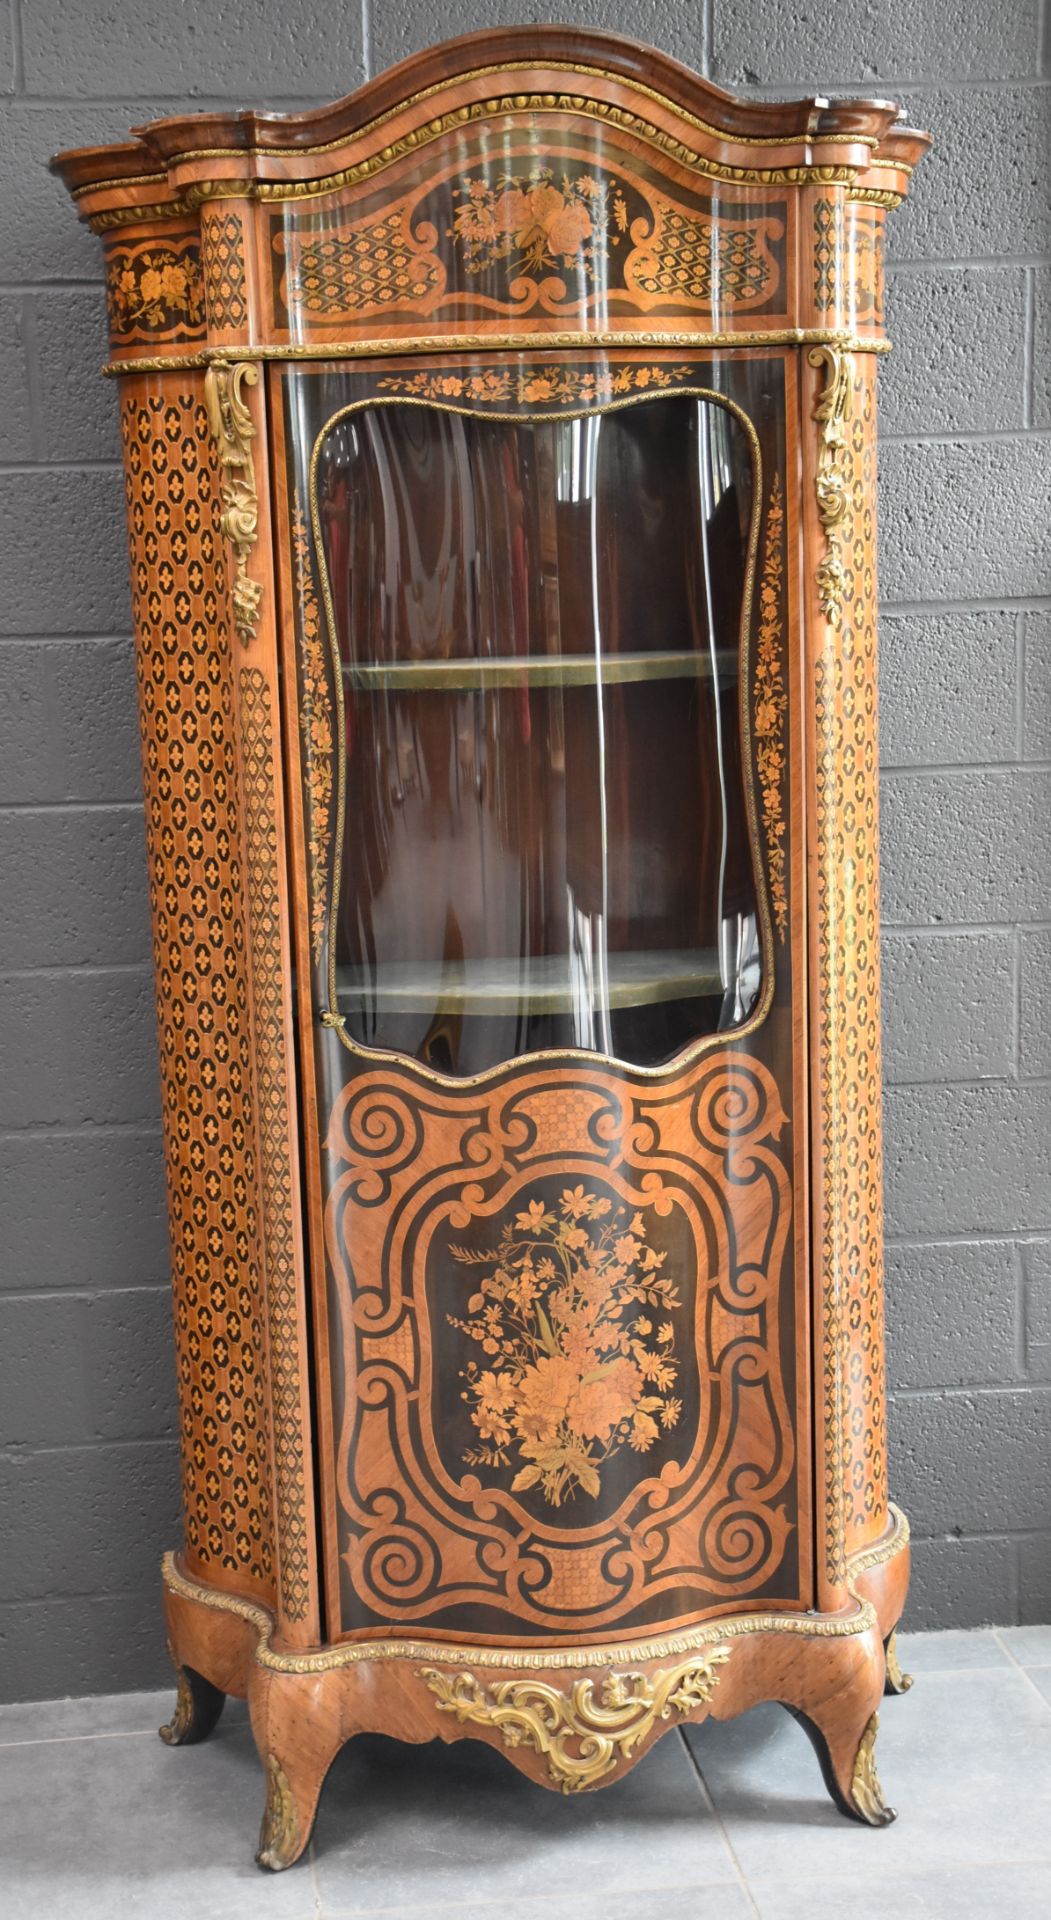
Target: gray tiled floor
[99,1821]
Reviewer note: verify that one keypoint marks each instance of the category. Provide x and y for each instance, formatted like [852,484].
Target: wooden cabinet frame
[524,225]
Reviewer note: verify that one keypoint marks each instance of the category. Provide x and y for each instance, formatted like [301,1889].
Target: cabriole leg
[298,1729]
[848,1766]
[197,1708]
[896,1681]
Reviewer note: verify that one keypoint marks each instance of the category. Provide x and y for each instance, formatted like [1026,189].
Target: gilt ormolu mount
[500,466]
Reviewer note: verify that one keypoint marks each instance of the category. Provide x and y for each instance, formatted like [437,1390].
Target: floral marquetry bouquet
[536,225]
[571,1314]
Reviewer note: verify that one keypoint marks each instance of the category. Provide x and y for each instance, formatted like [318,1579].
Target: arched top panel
[537,180]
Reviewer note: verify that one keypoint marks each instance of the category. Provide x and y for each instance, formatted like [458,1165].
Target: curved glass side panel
[538,621]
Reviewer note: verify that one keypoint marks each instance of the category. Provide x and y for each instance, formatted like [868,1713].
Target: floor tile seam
[315,1886]
[1024,1671]
[114,1733]
[709,1800]
[932,1673]
[900,1870]
[502,1902]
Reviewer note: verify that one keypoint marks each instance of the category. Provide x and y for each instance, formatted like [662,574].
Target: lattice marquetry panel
[258,753]
[851,1225]
[222,248]
[194,850]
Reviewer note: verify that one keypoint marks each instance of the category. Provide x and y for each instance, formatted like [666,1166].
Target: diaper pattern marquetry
[828,243]
[362,270]
[851,1223]
[193,840]
[222,246]
[272,1084]
[695,261]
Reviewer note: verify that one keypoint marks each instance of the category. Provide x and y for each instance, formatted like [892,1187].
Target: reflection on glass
[545,841]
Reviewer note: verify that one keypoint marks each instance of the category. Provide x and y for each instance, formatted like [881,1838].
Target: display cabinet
[499,453]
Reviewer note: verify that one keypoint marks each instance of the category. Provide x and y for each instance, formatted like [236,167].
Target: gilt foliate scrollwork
[280,1829]
[866,1791]
[585,1732]
[233,430]
[830,412]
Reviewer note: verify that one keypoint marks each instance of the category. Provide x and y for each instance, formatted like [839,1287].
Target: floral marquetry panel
[553,1335]
[537,226]
[155,293]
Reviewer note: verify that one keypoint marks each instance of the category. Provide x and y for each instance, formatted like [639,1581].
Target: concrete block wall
[88,1491]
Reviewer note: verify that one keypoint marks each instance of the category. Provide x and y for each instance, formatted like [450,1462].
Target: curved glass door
[539,626]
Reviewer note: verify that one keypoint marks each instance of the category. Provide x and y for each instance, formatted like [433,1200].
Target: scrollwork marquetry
[830,412]
[233,430]
[585,1732]
[859,1619]
[771,704]
[420,1536]
[552,236]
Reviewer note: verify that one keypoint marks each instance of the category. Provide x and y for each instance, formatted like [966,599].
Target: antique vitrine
[500,468]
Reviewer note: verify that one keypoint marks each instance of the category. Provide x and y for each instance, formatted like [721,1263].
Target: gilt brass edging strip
[734,1627]
[498,343]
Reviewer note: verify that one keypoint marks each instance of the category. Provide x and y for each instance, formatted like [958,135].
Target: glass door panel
[539,627]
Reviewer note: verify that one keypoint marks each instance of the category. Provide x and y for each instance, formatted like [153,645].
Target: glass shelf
[537,670]
[551,983]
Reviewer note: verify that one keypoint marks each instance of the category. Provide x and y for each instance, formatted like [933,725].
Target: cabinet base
[570,1718]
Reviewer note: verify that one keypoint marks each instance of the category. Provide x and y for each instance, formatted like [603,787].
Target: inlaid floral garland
[771,703]
[571,1312]
[155,290]
[317,732]
[537,385]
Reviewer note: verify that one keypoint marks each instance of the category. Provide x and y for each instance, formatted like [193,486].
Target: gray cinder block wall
[88,1469]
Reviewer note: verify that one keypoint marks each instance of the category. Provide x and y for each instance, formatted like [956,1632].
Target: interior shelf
[538,985]
[539,670]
